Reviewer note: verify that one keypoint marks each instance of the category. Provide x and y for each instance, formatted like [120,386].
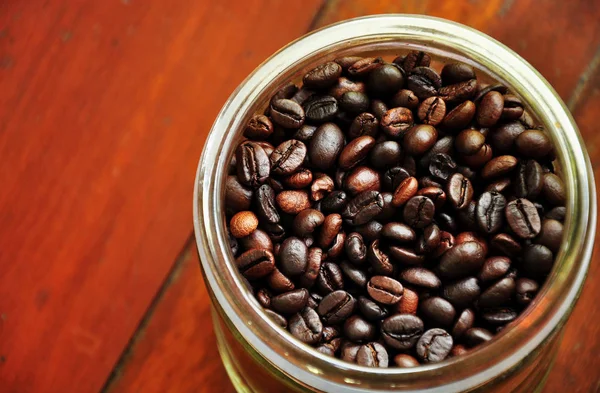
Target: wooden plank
[104,111]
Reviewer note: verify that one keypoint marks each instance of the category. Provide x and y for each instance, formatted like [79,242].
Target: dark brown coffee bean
[237,196]
[325,146]
[462,260]
[498,294]
[323,76]
[253,165]
[330,229]
[434,346]
[526,289]
[288,157]
[379,260]
[362,179]
[464,237]
[265,205]
[278,319]
[313,268]
[371,310]
[279,282]
[344,85]
[457,72]
[336,307]
[529,179]
[354,274]
[460,116]
[458,92]
[307,221]
[290,302]
[506,244]
[557,213]
[347,61]
[537,260]
[523,218]
[259,127]
[499,316]
[287,113]
[321,186]
[396,121]
[402,331]
[293,257]
[437,311]
[436,194]
[405,191]
[385,155]
[442,166]
[490,109]
[372,355]
[479,159]
[354,102]
[300,179]
[533,144]
[499,166]
[330,278]
[398,232]
[551,234]
[476,336]
[504,136]
[469,142]
[320,109]
[414,59]
[264,297]
[355,248]
[384,290]
[385,80]
[403,360]
[255,263]
[513,107]
[364,124]
[490,211]
[406,99]
[306,326]
[409,302]
[406,256]
[355,151]
[363,208]
[459,190]
[554,189]
[432,111]
[364,66]
[465,321]
[359,330]
[494,268]
[424,82]
[370,231]
[420,277]
[334,202]
[292,202]
[257,239]
[462,293]
[393,177]
[303,95]
[419,211]
[419,139]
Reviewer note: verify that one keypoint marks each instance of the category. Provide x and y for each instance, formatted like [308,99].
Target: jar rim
[509,348]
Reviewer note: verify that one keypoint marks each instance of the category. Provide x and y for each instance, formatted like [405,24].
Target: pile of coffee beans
[388,214]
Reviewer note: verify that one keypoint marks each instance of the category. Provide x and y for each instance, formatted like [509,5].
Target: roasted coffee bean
[537,260]
[551,234]
[336,307]
[459,191]
[446,222]
[362,179]
[467,217]
[323,76]
[424,82]
[436,194]
[355,151]
[306,326]
[253,165]
[259,127]
[469,142]
[460,116]
[389,210]
[325,146]
[504,136]
[354,102]
[513,107]
[490,211]
[409,302]
[479,159]
[476,336]
[457,72]
[385,80]
[403,360]
[494,268]
[498,294]
[371,310]
[462,260]
[255,263]
[462,293]
[277,318]
[393,177]
[337,246]
[372,355]
[464,322]
[354,274]
[406,256]
[506,244]
[302,95]
[321,186]
[379,108]
[334,202]
[292,202]
[287,113]
[243,224]
[370,231]
[419,139]
[405,99]
[418,212]
[437,311]
[529,179]
[290,302]
[396,122]
[458,92]
[363,208]
[364,124]
[307,221]
[523,218]
[499,316]
[237,196]
[533,144]
[359,330]
[344,85]
[490,109]
[557,213]
[414,59]
[405,191]
[442,166]
[264,297]
[355,248]
[526,289]
[499,166]
[384,290]
[300,179]
[330,278]
[420,277]
[380,261]
[313,268]
[265,205]
[398,232]
[434,346]
[364,66]
[293,257]
[279,282]
[554,189]
[402,331]
[432,111]
[288,157]
[385,155]
[347,61]
[464,237]
[257,239]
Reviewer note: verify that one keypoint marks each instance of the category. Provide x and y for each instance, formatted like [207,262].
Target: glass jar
[261,357]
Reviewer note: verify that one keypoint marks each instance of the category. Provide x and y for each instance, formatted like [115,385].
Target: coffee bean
[293,256]
[442,166]
[462,293]
[499,166]
[385,80]
[389,210]
[434,346]
[479,159]
[313,268]
[290,302]
[554,189]
[385,155]
[414,59]
[438,311]
[506,244]
[355,151]
[557,213]
[370,231]
[464,322]
[362,179]
[432,111]
[237,196]
[307,221]
[301,179]
[533,144]
[393,177]
[460,116]
[420,277]
[279,282]
[363,208]
[323,76]
[406,99]
[359,330]
[529,179]
[257,239]
[405,191]
[490,211]
[278,319]
[330,229]
[372,355]
[498,294]
[379,108]
[321,186]
[526,289]
[384,290]
[403,360]
[380,261]
[371,310]
[462,260]
[490,109]
[243,224]
[398,232]
[355,248]
[459,190]
[320,109]
[523,218]
[325,146]
[364,66]
[457,72]
[406,256]
[504,136]
[469,142]
[292,202]
[513,107]
[458,92]
[537,260]
[499,316]
[467,217]
[255,263]
[306,326]
[253,165]
[334,202]
[551,234]
[396,122]
[419,139]
[287,113]
[424,82]
[288,157]
[365,124]
[494,268]
[402,331]
[265,205]
[476,336]
[330,278]
[344,85]
[336,307]
[436,194]
[418,212]
[354,102]
[354,274]
[258,127]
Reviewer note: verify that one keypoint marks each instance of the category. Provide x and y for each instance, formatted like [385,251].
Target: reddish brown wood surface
[104,110]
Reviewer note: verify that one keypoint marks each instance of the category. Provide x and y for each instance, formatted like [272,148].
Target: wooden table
[104,109]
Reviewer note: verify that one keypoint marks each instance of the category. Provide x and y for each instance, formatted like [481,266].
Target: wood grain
[104,111]
[577,79]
